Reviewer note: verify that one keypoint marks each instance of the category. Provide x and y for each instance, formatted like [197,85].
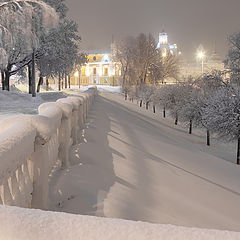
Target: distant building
[164,46]
[99,70]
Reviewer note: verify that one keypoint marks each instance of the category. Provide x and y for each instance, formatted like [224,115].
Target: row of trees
[37,33]
[207,102]
[142,62]
[211,101]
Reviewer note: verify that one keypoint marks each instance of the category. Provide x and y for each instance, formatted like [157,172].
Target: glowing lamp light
[200,55]
[164,54]
[76,74]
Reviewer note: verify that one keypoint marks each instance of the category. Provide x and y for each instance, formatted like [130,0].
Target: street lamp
[201,56]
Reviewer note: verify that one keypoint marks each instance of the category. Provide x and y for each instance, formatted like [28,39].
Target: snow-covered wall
[31,145]
[29,224]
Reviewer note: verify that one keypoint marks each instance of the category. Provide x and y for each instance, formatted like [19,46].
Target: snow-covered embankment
[31,145]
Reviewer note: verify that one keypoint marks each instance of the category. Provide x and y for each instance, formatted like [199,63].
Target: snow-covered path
[134,165]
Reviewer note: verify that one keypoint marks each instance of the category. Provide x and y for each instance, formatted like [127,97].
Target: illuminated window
[83,71]
[105,71]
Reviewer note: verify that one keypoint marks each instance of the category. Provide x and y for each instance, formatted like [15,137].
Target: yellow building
[99,70]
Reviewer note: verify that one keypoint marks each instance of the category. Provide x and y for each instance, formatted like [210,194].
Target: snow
[35,144]
[17,146]
[17,101]
[134,165]
[103,88]
[26,224]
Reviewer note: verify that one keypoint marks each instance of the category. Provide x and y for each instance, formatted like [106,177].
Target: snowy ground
[19,101]
[135,165]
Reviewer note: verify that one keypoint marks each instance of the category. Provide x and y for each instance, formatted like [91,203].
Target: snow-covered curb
[28,224]
[31,145]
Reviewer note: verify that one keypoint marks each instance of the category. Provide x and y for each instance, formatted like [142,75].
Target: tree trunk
[154,108]
[125,94]
[147,105]
[69,81]
[33,75]
[176,120]
[65,80]
[47,84]
[208,137]
[62,82]
[238,151]
[29,79]
[3,80]
[7,80]
[79,79]
[59,82]
[40,82]
[190,127]
[164,112]
[141,103]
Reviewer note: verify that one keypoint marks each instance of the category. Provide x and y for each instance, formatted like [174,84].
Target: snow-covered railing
[30,224]
[31,145]
[15,166]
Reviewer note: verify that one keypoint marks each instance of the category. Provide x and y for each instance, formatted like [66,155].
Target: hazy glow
[164,54]
[76,74]
[200,55]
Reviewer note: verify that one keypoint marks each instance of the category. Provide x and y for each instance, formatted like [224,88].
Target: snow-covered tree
[144,53]
[233,58]
[22,23]
[162,68]
[190,111]
[123,54]
[208,84]
[221,114]
[60,51]
[145,94]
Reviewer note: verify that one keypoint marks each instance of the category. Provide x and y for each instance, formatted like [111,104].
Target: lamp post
[201,56]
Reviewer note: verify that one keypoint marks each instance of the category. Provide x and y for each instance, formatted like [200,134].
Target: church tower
[163,39]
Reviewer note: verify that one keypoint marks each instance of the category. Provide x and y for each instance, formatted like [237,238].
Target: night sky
[188,23]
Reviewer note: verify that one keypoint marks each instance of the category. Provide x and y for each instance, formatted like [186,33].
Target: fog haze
[188,23]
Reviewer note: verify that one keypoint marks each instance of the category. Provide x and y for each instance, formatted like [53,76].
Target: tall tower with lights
[163,39]
[164,46]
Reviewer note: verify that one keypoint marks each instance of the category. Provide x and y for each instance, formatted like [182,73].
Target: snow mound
[28,224]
